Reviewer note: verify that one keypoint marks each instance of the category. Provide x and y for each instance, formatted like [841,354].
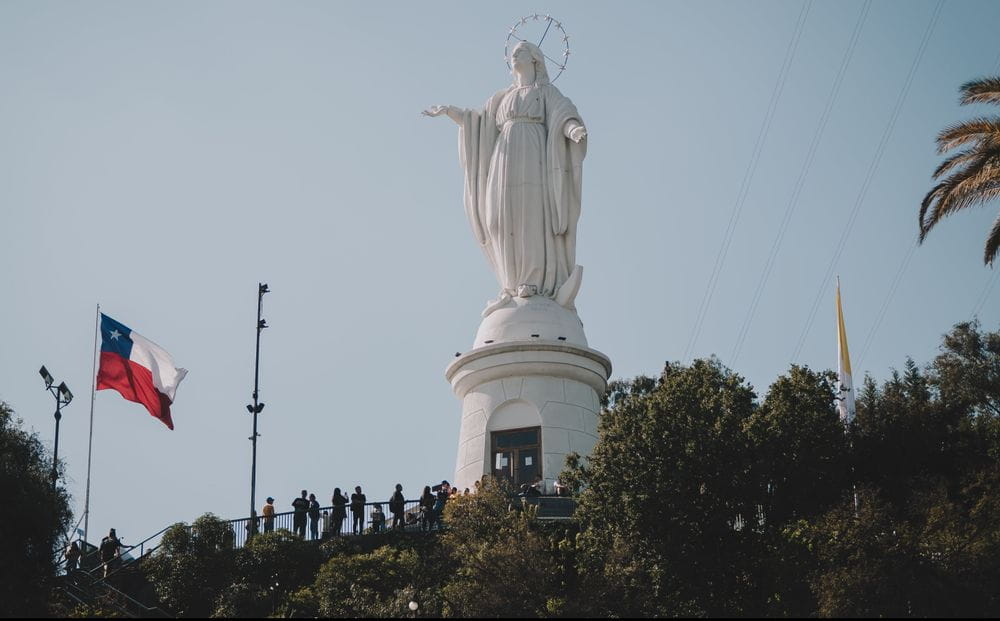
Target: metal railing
[90,560]
[86,588]
[370,522]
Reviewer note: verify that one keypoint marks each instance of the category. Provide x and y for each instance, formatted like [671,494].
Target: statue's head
[525,52]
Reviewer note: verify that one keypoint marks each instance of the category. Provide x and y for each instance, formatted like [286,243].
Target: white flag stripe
[166,376]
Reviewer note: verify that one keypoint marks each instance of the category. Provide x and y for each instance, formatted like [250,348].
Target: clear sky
[162,158]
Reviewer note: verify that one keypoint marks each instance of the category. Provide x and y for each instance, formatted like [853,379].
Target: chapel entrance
[516,455]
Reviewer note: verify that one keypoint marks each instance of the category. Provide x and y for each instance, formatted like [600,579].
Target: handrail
[121,595]
[412,516]
[242,530]
[118,598]
[89,556]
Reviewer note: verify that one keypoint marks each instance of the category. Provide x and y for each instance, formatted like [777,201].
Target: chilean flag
[138,368]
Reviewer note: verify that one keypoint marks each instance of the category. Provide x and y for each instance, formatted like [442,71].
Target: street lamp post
[63,397]
[256,407]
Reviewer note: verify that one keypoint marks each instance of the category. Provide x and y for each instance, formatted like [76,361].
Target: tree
[800,446]
[973,173]
[967,371]
[924,537]
[663,490]
[265,571]
[32,523]
[505,565]
[374,585]
[193,565]
[802,465]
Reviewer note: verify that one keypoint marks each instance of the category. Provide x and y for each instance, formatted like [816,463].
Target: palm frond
[983,90]
[959,159]
[928,204]
[992,243]
[983,129]
[977,183]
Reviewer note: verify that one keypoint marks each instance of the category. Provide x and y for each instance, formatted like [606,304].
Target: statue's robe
[522,186]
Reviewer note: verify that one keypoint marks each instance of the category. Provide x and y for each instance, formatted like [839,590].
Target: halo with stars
[520,31]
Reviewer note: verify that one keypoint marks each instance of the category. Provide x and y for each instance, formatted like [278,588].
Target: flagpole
[90,441]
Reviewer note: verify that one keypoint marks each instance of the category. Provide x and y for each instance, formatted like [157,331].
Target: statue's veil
[541,71]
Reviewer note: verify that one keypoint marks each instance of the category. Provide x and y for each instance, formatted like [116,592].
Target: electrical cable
[720,258]
[866,184]
[880,315]
[800,183]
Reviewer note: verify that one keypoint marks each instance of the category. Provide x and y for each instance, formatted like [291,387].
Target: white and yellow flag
[845,396]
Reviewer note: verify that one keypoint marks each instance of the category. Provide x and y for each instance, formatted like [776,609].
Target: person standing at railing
[268,513]
[443,492]
[378,519]
[396,506]
[313,517]
[326,525]
[339,502]
[73,554]
[427,516]
[358,501]
[252,527]
[301,507]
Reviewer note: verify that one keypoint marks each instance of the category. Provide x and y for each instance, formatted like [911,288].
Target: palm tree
[974,172]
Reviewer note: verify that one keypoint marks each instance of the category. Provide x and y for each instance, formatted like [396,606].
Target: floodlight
[262,323]
[66,394]
[262,288]
[46,376]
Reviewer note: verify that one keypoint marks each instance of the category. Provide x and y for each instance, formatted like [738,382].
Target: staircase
[97,593]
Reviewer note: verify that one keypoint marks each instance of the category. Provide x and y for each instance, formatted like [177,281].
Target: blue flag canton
[116,338]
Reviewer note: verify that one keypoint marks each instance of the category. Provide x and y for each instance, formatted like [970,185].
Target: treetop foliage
[701,498]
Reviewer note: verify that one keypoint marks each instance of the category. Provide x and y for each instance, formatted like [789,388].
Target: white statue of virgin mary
[523,160]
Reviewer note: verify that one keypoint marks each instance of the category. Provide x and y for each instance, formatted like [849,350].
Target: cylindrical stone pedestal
[530,397]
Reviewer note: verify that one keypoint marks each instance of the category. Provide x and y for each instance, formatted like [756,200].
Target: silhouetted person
[396,507]
[301,506]
[427,515]
[110,551]
[73,554]
[358,501]
[339,503]
[378,519]
[539,484]
[326,525]
[313,517]
[443,491]
[252,525]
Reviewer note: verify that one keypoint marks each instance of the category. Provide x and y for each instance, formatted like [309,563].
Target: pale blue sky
[161,158]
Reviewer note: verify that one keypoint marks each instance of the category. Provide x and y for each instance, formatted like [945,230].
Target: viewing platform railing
[243,528]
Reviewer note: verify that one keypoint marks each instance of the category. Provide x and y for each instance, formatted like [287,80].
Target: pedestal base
[550,386]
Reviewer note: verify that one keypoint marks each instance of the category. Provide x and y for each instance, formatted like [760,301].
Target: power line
[869,339]
[720,257]
[880,315]
[800,183]
[986,293]
[866,184]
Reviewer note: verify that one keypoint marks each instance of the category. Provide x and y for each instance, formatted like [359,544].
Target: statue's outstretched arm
[455,114]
